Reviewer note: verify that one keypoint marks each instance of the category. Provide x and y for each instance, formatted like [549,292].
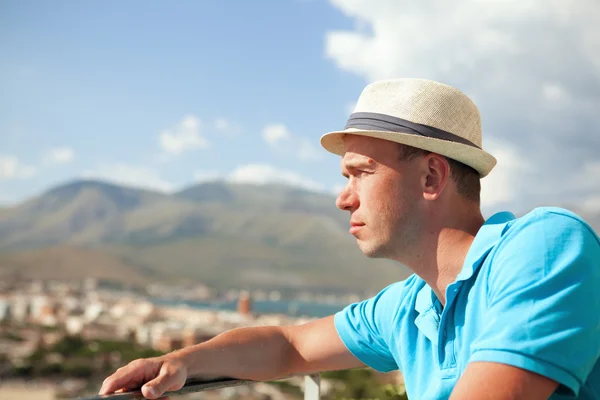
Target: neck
[443,250]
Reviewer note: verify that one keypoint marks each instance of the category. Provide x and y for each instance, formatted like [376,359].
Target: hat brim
[476,158]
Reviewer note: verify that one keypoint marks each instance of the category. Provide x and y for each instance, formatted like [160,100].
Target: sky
[164,95]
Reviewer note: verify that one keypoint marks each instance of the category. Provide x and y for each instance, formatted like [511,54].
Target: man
[507,308]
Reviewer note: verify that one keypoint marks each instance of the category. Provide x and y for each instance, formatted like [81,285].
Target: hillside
[65,262]
[78,212]
[223,234]
[220,233]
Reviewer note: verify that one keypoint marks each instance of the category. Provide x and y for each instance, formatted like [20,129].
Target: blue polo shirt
[528,295]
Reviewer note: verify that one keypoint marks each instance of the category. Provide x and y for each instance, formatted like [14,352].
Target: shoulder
[389,304]
[546,227]
[545,241]
[407,285]
[550,217]
[367,326]
[398,294]
[396,303]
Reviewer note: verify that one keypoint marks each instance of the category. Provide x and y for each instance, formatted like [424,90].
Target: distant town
[46,325]
[95,313]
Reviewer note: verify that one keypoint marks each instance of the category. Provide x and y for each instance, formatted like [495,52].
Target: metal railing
[312,388]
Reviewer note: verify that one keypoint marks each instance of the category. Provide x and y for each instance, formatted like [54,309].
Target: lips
[355,227]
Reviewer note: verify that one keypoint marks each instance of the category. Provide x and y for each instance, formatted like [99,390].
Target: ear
[436,177]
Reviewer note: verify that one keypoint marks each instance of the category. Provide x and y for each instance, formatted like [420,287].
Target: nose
[347,199]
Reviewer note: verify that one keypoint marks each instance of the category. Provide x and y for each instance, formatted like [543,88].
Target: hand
[157,375]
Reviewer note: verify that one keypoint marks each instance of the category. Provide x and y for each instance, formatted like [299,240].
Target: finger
[121,379]
[165,381]
[157,386]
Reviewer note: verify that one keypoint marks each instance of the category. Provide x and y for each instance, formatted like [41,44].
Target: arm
[254,353]
[271,352]
[492,381]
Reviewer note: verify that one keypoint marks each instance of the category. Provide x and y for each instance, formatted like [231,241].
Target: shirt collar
[424,301]
[488,236]
[428,320]
[486,239]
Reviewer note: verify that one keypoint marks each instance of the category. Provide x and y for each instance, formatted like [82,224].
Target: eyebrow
[355,163]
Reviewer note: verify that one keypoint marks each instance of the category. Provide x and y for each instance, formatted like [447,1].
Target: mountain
[221,233]
[64,262]
[77,212]
[264,198]
[209,192]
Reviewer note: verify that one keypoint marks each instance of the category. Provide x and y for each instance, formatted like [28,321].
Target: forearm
[255,353]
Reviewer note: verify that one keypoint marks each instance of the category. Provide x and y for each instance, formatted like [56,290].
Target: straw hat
[419,113]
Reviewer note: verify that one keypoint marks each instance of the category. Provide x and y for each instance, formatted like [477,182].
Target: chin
[372,250]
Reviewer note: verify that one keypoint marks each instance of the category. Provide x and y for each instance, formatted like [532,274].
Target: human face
[383,196]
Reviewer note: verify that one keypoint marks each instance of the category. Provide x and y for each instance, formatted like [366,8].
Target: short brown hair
[466,178]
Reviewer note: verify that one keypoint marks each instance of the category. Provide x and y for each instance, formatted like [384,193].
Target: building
[192,336]
[20,309]
[4,309]
[169,341]
[244,306]
[74,325]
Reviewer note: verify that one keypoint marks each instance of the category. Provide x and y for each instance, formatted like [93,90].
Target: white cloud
[276,133]
[463,34]
[589,176]
[337,189]
[12,168]
[500,186]
[280,138]
[591,204]
[585,185]
[60,155]
[207,176]
[130,175]
[307,151]
[261,174]
[185,137]
[554,92]
[532,66]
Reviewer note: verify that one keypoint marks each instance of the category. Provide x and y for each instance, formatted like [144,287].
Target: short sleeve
[365,327]
[544,301]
